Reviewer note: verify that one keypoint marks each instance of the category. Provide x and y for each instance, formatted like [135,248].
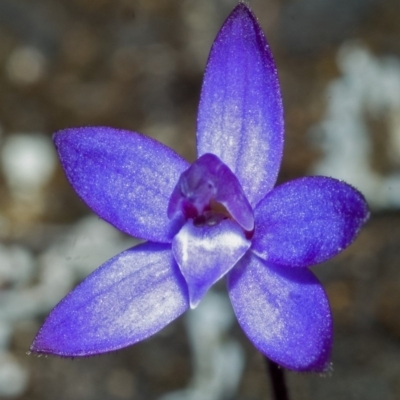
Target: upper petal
[240,114]
[206,253]
[284,312]
[129,298]
[124,177]
[307,221]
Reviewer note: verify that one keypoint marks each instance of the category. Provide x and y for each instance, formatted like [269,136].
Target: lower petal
[284,312]
[206,253]
[129,298]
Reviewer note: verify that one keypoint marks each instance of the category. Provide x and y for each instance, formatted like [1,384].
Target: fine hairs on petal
[307,221]
[241,105]
[127,299]
[119,175]
[284,312]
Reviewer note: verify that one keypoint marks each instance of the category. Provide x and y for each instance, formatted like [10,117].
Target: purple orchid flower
[220,216]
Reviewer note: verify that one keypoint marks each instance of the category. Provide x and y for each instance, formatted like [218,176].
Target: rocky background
[138,64]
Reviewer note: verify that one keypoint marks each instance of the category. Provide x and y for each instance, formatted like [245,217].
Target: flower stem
[277,375]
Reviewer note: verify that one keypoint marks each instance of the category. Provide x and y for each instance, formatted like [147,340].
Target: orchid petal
[129,298]
[284,312]
[241,114]
[205,254]
[307,221]
[124,177]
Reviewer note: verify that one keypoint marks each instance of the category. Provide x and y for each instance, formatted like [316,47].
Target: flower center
[212,215]
[208,192]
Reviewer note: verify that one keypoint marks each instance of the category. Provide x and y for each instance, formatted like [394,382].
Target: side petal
[241,114]
[129,298]
[284,312]
[124,177]
[307,221]
[206,253]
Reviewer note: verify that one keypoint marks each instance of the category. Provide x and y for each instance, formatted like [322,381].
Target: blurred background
[138,64]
